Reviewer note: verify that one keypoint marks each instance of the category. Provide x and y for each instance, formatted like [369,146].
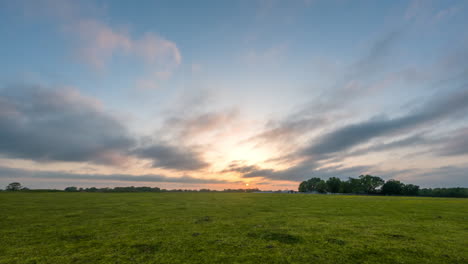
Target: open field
[230,228]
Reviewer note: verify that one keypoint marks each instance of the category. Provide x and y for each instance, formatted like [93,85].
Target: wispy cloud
[186,127]
[306,170]
[12,173]
[96,42]
[172,157]
[456,144]
[447,176]
[358,133]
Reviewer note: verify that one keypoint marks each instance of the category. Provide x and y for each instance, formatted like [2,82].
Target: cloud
[172,157]
[365,76]
[411,141]
[286,132]
[12,173]
[98,42]
[45,124]
[446,13]
[451,144]
[447,176]
[355,134]
[455,145]
[306,170]
[379,51]
[188,126]
[314,157]
[240,167]
[427,12]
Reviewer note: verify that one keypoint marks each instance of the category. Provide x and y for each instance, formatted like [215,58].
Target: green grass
[230,228]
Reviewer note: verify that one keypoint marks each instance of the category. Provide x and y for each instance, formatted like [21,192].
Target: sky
[228,94]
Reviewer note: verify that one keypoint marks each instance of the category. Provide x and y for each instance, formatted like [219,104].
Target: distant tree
[445,192]
[303,186]
[309,185]
[392,187]
[14,186]
[410,189]
[321,186]
[345,187]
[92,189]
[333,184]
[355,185]
[312,184]
[71,189]
[370,183]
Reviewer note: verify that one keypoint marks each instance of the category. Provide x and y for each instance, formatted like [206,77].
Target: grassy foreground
[230,228]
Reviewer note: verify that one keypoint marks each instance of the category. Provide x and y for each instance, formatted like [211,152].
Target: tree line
[364,184]
[368,184]
[16,186]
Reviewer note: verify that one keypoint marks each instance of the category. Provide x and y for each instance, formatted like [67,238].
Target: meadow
[230,228]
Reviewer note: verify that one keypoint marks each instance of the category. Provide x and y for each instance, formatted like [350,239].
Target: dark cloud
[455,145]
[447,176]
[240,167]
[172,157]
[12,173]
[286,131]
[44,124]
[415,140]
[355,134]
[306,170]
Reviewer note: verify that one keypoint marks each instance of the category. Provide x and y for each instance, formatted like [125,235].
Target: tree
[321,186]
[14,186]
[345,187]
[71,189]
[370,183]
[333,184]
[312,184]
[410,189]
[303,186]
[355,185]
[309,185]
[392,187]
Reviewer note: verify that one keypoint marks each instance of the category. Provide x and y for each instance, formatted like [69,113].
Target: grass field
[230,228]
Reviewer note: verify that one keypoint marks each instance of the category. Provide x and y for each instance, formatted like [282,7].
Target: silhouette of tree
[14,186]
[410,189]
[321,186]
[333,184]
[370,183]
[71,189]
[392,187]
[303,186]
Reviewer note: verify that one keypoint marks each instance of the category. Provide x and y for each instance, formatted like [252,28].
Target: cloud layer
[12,173]
[45,124]
[351,135]
[172,157]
